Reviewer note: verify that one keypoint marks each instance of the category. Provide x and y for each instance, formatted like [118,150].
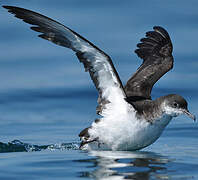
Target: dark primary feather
[95,61]
[156,51]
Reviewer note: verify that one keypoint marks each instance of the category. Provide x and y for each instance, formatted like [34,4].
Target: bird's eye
[175,105]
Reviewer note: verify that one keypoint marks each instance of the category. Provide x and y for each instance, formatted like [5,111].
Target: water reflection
[126,165]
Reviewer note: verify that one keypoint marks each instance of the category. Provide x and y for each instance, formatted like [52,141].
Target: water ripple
[18,146]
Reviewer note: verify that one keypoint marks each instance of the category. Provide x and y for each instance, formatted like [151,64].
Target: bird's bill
[185,111]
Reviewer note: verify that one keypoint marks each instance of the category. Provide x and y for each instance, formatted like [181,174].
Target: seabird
[129,118]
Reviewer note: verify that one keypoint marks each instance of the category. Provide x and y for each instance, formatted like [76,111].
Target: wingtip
[162,31]
[13,9]
[153,42]
[157,27]
[10,9]
[7,7]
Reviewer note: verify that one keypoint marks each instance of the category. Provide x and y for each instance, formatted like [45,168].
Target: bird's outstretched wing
[156,51]
[99,64]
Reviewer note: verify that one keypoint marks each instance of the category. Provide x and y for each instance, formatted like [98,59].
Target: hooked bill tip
[190,115]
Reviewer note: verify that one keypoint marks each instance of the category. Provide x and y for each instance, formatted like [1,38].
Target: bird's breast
[127,134]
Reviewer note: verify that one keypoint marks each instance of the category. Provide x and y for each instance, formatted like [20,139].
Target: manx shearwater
[130,119]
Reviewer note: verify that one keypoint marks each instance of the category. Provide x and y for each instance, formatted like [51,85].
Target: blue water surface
[46,99]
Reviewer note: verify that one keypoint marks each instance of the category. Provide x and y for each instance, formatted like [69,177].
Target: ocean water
[46,99]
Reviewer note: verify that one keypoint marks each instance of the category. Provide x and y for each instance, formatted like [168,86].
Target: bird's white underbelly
[126,133]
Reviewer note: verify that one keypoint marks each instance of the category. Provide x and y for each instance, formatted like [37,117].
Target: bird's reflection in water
[125,165]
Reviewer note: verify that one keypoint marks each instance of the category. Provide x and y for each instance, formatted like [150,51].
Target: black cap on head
[178,102]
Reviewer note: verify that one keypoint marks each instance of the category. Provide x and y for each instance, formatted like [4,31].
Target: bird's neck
[152,110]
[148,110]
[160,104]
[159,117]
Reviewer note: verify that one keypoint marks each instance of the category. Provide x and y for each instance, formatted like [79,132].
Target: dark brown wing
[156,51]
[95,61]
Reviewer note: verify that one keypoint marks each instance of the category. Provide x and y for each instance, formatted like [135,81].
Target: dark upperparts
[156,52]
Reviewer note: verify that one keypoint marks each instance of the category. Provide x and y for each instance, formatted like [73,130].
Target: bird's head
[175,105]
